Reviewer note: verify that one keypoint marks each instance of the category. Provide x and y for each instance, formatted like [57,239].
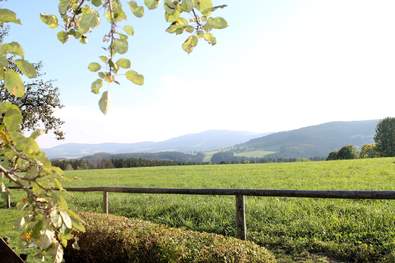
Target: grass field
[253,154]
[294,229]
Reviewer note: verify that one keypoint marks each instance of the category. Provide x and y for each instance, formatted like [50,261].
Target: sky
[280,65]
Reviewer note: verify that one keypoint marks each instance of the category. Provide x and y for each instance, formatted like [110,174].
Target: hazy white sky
[281,65]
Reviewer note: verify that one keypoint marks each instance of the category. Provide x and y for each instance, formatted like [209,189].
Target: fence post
[240,217]
[105,202]
[8,200]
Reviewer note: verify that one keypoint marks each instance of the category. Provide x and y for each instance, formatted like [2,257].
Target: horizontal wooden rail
[339,194]
[238,193]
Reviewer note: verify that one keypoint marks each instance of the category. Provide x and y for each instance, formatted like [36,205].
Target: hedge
[110,238]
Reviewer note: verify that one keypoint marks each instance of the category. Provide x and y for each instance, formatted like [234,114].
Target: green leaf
[26,68]
[37,133]
[94,67]
[58,184]
[38,226]
[120,46]
[13,116]
[103,102]
[117,12]
[210,38]
[172,15]
[49,20]
[104,59]
[123,36]
[63,6]
[217,23]
[178,26]
[190,43]
[189,29]
[137,10]
[96,86]
[123,63]
[97,3]
[13,48]
[77,221]
[187,5]
[88,20]
[135,77]
[3,63]
[129,30]
[62,36]
[151,4]
[14,83]
[8,16]
[204,6]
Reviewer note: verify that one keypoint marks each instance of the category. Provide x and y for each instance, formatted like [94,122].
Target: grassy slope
[253,154]
[294,228]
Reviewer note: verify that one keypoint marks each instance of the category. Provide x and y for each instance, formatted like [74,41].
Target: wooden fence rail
[238,193]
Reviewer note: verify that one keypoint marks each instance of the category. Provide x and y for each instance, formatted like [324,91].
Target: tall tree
[385,137]
[39,103]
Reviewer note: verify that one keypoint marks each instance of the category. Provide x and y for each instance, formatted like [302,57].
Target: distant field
[294,229]
[208,156]
[253,154]
[249,154]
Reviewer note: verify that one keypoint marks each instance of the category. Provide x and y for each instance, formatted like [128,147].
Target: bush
[111,238]
[332,156]
[369,151]
[347,152]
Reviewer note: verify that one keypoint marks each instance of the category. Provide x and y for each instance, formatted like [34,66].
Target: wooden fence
[239,194]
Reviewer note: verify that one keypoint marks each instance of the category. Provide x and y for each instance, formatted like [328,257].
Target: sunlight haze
[279,65]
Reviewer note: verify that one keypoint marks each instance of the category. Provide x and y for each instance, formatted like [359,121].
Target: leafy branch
[48,224]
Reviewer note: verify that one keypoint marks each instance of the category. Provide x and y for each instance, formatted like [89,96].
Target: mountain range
[307,142]
[190,143]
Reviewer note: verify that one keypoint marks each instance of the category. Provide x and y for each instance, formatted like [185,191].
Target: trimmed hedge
[110,238]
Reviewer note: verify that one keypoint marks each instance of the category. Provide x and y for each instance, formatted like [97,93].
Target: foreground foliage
[48,224]
[118,239]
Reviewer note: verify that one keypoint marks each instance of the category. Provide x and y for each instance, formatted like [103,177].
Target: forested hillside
[312,141]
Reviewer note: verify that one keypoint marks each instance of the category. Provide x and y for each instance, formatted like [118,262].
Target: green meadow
[295,229]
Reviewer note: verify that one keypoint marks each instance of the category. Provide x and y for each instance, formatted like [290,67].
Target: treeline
[105,160]
[384,145]
[81,164]
[229,157]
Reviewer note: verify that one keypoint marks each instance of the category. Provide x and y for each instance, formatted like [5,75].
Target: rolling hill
[312,141]
[190,143]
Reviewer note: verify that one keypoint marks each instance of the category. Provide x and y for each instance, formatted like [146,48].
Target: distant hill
[190,143]
[312,141]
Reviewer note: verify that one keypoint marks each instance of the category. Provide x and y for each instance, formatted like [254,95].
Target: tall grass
[295,229]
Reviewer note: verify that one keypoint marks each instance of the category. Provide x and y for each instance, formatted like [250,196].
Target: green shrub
[110,238]
[332,156]
[347,152]
[369,151]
